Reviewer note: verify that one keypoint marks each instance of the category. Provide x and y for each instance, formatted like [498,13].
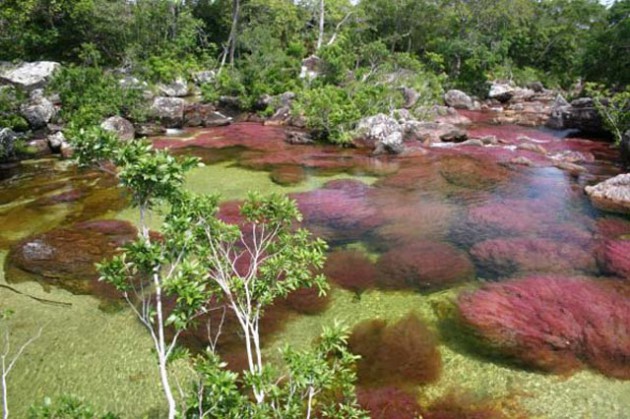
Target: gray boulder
[203,77]
[458,99]
[38,111]
[611,195]
[55,141]
[7,144]
[502,92]
[30,76]
[169,111]
[433,132]
[581,114]
[410,96]
[120,126]
[381,133]
[177,88]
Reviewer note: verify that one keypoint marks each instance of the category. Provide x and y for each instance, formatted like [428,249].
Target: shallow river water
[408,235]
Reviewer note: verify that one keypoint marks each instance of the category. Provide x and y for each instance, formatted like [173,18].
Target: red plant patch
[351,269]
[403,352]
[388,403]
[557,324]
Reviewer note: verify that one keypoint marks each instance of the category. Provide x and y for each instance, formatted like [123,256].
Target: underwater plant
[351,269]
[388,403]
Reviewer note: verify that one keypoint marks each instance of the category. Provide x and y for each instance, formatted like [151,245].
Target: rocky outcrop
[612,195]
[38,111]
[382,133]
[123,129]
[55,141]
[177,88]
[204,115]
[169,111]
[30,76]
[7,144]
[458,100]
[433,132]
[501,91]
[581,114]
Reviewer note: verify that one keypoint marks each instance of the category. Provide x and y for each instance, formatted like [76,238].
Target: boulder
[203,77]
[38,111]
[311,67]
[230,102]
[382,133]
[149,130]
[7,144]
[410,96]
[458,99]
[581,114]
[611,195]
[502,92]
[38,148]
[55,141]
[204,115]
[298,137]
[169,111]
[177,88]
[119,126]
[30,76]
[536,86]
[433,132]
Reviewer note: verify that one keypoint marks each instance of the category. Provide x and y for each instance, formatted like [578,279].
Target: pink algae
[554,323]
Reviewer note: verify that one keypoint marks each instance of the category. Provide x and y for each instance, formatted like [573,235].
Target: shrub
[66,407]
[90,95]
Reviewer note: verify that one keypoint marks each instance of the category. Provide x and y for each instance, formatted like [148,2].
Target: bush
[10,100]
[613,107]
[90,95]
[66,407]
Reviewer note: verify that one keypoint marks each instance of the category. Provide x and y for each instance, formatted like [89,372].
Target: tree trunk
[236,11]
[320,38]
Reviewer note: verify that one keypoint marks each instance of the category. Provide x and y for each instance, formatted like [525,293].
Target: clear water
[445,202]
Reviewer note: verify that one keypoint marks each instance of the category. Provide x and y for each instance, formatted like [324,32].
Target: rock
[298,137]
[169,111]
[570,156]
[522,95]
[410,96]
[381,132]
[611,195]
[177,88]
[66,150]
[392,144]
[7,144]
[38,111]
[66,257]
[572,168]
[203,77]
[230,102]
[473,143]
[433,132]
[536,86]
[554,323]
[123,129]
[523,161]
[458,99]
[501,91]
[581,114]
[198,115]
[281,116]
[536,148]
[149,130]
[624,149]
[311,67]
[30,76]
[444,114]
[55,141]
[38,148]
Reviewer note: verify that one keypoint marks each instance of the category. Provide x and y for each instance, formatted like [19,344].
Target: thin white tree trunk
[320,38]
[162,350]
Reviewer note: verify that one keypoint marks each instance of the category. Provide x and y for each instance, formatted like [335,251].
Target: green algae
[105,359]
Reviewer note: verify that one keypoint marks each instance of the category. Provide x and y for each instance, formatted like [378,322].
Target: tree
[199,263]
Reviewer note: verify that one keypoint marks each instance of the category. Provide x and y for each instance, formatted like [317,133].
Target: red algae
[504,257]
[458,405]
[404,352]
[468,172]
[612,227]
[351,269]
[388,403]
[615,257]
[66,257]
[424,265]
[557,324]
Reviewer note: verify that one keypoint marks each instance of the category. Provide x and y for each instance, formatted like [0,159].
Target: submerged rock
[611,195]
[554,323]
[66,257]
